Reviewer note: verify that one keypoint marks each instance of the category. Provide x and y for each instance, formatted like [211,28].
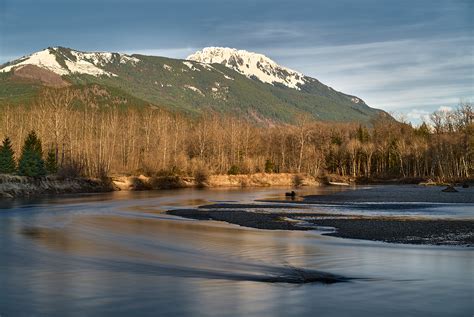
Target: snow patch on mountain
[194,89]
[97,59]
[207,66]
[218,91]
[191,66]
[252,65]
[86,64]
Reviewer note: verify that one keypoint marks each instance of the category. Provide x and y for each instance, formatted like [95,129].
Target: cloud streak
[391,74]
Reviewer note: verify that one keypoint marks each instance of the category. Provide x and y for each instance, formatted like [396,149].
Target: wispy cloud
[393,75]
[417,115]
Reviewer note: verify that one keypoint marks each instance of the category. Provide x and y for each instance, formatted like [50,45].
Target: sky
[406,57]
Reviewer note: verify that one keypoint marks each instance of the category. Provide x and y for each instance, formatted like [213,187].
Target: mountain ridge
[222,79]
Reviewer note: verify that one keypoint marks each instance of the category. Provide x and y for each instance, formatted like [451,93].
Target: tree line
[30,162]
[92,141]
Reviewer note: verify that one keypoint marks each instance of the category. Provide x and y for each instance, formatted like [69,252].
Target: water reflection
[117,254]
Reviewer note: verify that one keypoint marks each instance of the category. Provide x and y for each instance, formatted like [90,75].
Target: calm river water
[117,254]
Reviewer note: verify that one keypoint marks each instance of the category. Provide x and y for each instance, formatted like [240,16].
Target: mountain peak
[252,65]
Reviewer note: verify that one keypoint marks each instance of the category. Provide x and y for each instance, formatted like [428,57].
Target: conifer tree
[31,161]
[51,162]
[7,160]
[269,166]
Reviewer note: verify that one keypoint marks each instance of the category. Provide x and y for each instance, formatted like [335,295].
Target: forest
[97,142]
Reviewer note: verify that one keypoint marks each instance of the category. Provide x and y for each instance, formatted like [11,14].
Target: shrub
[201,176]
[233,170]
[298,180]
[101,171]
[72,168]
[166,182]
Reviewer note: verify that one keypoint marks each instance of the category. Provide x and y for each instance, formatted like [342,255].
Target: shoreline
[13,186]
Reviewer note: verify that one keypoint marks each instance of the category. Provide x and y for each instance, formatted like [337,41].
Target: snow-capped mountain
[223,80]
[252,65]
[66,62]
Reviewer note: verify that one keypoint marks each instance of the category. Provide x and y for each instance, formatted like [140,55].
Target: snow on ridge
[191,66]
[85,63]
[89,63]
[250,64]
[43,59]
[124,59]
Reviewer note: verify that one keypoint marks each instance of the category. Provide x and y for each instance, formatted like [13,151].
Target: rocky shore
[21,186]
[394,230]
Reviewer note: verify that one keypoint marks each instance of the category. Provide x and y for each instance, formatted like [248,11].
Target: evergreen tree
[51,162]
[7,160]
[269,166]
[31,160]
[362,134]
[423,130]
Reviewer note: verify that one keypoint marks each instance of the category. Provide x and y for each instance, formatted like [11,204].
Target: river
[118,254]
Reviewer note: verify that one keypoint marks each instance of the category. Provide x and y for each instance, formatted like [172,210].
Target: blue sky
[409,57]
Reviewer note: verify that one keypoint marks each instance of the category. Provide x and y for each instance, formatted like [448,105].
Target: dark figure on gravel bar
[291,194]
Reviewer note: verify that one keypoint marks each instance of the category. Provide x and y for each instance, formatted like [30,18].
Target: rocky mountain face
[252,65]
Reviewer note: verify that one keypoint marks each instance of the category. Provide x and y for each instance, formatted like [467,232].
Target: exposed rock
[47,77]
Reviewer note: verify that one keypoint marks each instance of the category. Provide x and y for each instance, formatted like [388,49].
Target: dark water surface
[118,254]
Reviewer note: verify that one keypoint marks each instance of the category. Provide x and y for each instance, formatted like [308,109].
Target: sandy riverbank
[243,180]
